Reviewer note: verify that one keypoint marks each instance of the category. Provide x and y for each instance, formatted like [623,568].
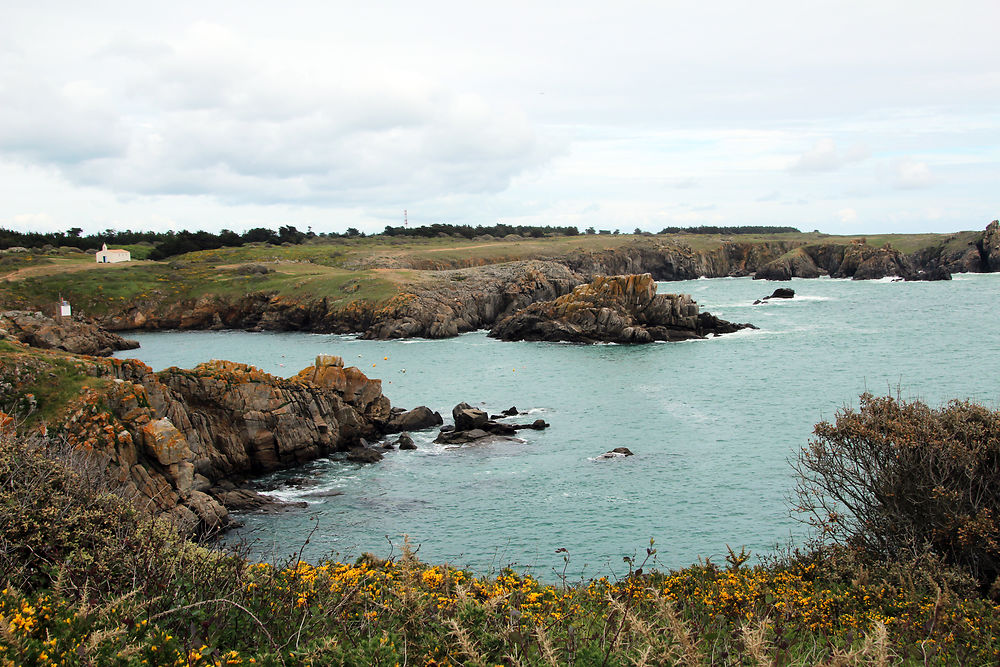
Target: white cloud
[825,156]
[335,114]
[847,215]
[910,174]
[205,115]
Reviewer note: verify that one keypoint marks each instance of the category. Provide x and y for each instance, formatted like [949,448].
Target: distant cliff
[449,296]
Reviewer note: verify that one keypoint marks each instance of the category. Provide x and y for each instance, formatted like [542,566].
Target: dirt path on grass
[66,266]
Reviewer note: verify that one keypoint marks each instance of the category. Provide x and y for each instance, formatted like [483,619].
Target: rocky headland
[183,441]
[860,261]
[613,309]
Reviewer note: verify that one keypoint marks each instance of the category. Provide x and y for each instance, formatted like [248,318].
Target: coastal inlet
[711,423]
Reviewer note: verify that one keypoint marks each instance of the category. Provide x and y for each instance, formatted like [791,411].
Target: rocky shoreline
[446,301]
[70,334]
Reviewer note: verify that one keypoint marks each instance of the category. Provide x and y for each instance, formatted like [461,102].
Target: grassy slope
[342,270]
[39,384]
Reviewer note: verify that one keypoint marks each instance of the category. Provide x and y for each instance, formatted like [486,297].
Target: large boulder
[417,419]
[935,273]
[164,442]
[463,437]
[468,418]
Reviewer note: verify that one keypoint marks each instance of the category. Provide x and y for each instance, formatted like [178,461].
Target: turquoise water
[712,424]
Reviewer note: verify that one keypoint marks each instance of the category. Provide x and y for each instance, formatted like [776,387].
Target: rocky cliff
[182,440]
[989,247]
[860,261]
[618,309]
[457,301]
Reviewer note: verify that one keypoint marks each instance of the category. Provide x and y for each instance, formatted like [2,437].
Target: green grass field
[370,269]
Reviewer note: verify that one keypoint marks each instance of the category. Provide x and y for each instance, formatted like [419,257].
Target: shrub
[899,480]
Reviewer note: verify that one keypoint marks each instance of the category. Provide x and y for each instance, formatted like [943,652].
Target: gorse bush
[898,480]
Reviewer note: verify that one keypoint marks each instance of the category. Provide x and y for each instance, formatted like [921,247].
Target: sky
[846,117]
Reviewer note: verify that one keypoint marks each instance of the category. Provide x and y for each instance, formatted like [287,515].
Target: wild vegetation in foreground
[89,579]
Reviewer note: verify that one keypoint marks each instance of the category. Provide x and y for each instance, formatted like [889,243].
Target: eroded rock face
[619,309]
[795,264]
[864,262]
[989,248]
[179,438]
[68,334]
[458,301]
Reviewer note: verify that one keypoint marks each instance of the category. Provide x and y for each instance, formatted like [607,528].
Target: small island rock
[613,309]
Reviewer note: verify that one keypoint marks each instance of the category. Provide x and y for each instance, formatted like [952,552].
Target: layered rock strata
[616,309]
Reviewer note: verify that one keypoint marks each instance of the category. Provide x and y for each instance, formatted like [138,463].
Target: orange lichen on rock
[162,439]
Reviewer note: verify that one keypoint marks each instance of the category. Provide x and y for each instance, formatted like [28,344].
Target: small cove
[713,424]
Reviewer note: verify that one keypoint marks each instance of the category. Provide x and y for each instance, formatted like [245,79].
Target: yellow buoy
[385,358]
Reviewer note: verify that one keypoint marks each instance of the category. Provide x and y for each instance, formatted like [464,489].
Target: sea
[714,426]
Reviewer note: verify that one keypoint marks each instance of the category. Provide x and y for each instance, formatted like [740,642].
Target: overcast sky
[846,117]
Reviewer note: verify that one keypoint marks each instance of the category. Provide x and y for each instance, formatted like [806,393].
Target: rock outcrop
[68,334]
[616,453]
[178,439]
[417,419]
[795,264]
[989,247]
[473,424]
[618,309]
[458,301]
[780,293]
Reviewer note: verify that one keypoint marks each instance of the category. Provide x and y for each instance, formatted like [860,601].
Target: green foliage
[39,385]
[897,480]
[467,231]
[742,229]
[88,578]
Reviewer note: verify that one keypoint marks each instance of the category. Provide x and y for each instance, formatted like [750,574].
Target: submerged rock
[616,309]
[538,425]
[364,455]
[780,293]
[936,273]
[404,441]
[616,453]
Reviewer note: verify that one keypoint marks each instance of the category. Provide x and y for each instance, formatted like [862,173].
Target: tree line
[171,243]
